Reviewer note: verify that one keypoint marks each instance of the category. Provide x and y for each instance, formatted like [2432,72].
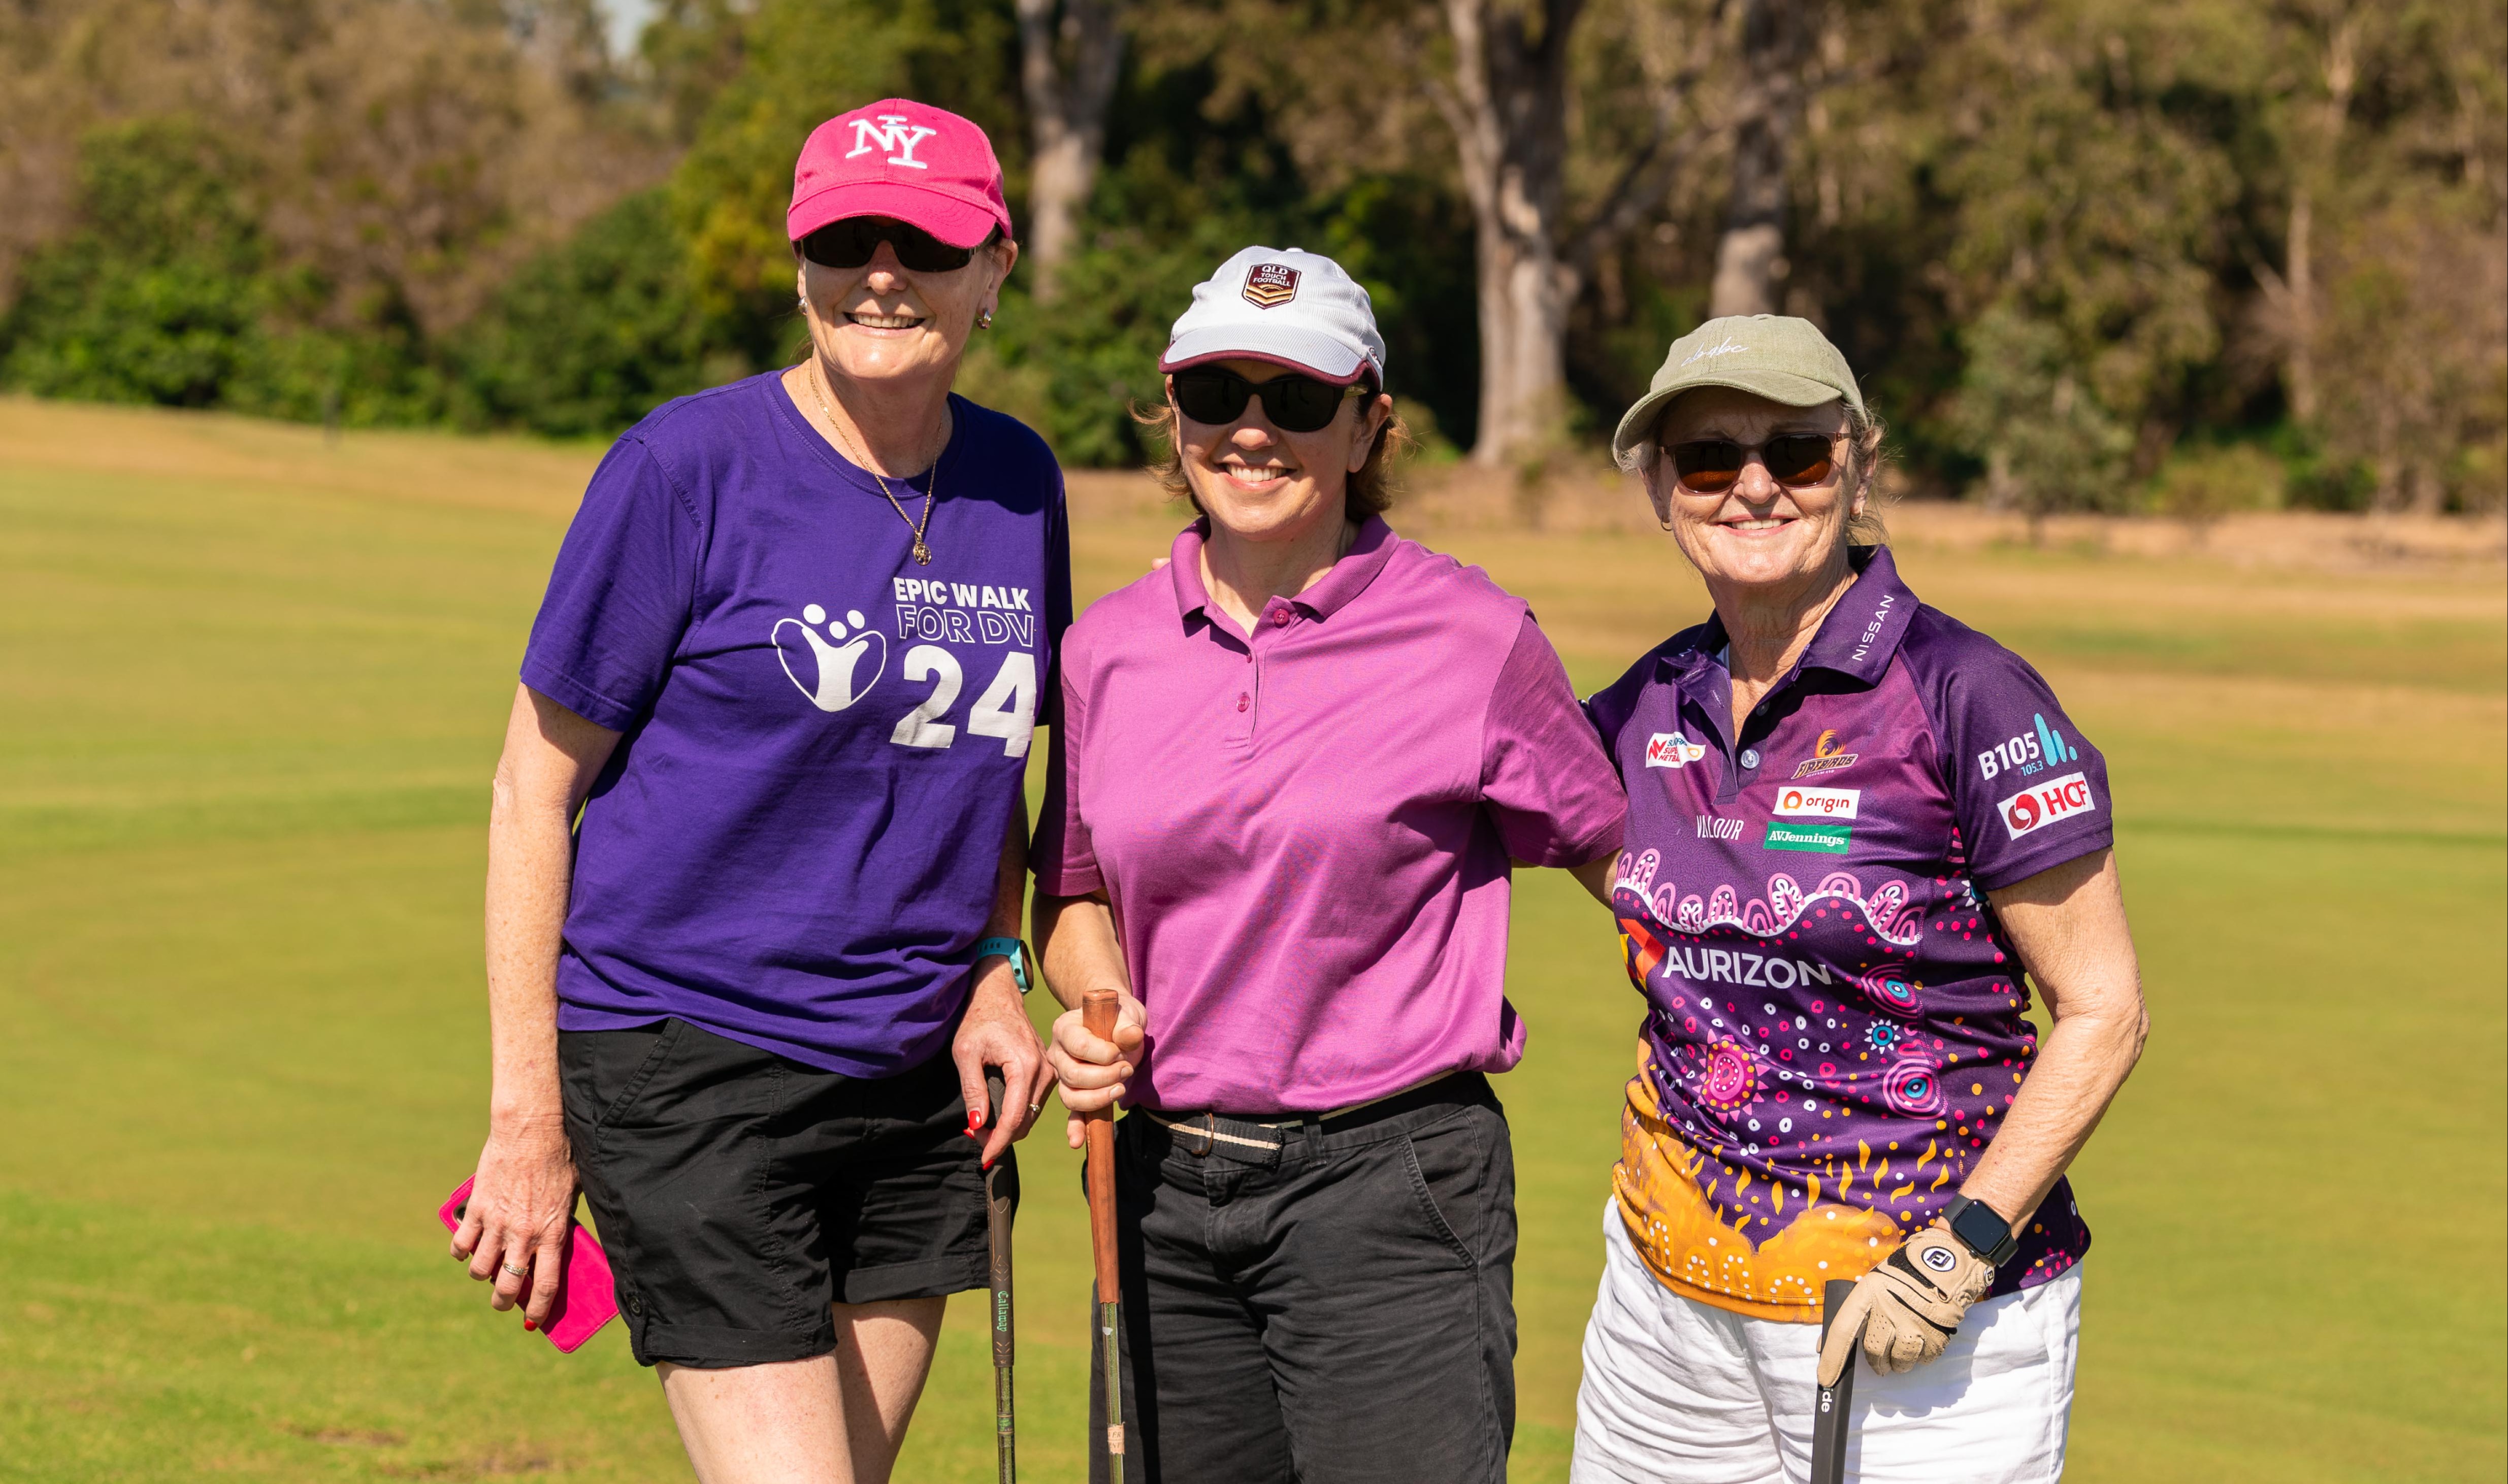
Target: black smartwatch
[1982,1232]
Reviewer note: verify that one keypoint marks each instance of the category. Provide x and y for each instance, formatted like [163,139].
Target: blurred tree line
[2088,254]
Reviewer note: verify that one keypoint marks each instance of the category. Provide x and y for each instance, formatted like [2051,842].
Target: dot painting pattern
[1827,1049]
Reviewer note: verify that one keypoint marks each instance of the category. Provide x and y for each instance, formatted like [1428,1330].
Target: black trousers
[1339,1310]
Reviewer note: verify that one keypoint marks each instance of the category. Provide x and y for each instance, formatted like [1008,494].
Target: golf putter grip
[1834,1404]
[1098,1009]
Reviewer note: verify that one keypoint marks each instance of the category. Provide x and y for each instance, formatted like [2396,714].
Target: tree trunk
[1067,70]
[1751,256]
[2341,71]
[1508,109]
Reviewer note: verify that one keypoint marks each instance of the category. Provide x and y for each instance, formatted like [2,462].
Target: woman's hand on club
[996,1033]
[521,1209]
[1094,1072]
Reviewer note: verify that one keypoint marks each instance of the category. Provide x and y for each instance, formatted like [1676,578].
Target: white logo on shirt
[1795,802]
[2034,808]
[835,665]
[1670,749]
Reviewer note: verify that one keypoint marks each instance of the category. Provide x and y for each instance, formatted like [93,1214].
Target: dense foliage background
[2099,254]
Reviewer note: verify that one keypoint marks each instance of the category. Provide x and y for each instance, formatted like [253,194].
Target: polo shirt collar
[1343,581]
[1857,640]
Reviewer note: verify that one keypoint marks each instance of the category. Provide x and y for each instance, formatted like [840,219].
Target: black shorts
[740,1194]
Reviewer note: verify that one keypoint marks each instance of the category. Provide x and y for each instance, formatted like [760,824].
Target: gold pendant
[922,552]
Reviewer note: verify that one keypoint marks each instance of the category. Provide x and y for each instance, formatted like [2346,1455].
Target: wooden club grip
[1098,1009]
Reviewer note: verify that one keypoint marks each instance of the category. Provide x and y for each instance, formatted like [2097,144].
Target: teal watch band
[1011,948]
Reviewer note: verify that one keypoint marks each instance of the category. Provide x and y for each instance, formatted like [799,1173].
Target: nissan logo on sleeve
[2036,807]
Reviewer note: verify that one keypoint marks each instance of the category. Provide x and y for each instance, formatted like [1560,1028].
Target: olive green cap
[1776,356]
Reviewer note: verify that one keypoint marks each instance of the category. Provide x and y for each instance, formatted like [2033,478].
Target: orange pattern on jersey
[1697,1255]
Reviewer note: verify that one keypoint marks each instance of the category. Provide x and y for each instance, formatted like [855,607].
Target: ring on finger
[517,1272]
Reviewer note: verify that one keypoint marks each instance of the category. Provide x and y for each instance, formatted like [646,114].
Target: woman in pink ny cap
[1291,771]
[786,671]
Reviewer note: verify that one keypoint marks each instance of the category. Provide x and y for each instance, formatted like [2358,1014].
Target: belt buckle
[1209,1135]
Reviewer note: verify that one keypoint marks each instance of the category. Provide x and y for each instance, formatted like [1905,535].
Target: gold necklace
[922,552]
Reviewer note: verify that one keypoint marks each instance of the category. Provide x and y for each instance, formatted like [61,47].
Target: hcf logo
[2043,803]
[894,132]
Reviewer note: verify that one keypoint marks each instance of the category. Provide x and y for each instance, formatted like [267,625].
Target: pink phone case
[586,1297]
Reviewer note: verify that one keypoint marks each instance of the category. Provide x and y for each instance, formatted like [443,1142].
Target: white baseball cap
[1286,305]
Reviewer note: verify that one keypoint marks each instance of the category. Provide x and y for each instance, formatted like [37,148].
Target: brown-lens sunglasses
[1795,460]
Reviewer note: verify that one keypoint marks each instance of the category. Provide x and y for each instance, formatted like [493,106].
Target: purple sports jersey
[1834,1024]
[796,843]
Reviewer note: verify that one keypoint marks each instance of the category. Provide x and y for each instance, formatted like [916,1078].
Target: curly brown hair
[1371,490]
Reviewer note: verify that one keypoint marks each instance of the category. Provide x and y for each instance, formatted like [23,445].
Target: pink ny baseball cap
[923,165]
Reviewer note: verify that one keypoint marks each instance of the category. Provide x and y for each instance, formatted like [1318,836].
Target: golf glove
[1904,1311]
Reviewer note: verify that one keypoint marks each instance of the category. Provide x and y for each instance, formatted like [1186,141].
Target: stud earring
[983,319]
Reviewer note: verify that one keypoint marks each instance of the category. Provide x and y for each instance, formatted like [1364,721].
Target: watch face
[1985,1233]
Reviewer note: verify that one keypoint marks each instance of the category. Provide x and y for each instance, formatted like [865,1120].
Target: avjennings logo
[1670,749]
[894,132]
[2031,751]
[1819,839]
[1271,285]
[2042,805]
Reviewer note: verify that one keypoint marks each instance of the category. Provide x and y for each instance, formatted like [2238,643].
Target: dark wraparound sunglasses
[851,242]
[1795,460]
[1295,403]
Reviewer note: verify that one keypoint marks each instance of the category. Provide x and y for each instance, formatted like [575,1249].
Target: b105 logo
[1795,802]
[1670,749]
[2036,807]
[2031,751]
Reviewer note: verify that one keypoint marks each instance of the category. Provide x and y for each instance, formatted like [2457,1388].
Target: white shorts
[1678,1392]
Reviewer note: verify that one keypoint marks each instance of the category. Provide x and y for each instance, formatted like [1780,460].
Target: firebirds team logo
[2042,805]
[1271,285]
[1824,757]
[1670,749]
[894,134]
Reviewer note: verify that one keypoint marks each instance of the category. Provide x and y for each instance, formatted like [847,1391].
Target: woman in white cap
[786,671]
[1291,771]
[1854,822]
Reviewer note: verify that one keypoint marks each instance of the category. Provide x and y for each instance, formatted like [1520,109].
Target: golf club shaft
[1098,1014]
[1829,1409]
[997,1213]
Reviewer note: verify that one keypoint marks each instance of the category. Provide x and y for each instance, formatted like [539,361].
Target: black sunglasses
[851,242]
[1295,403]
[1711,465]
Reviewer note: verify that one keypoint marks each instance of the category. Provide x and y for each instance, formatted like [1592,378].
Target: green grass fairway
[252,688]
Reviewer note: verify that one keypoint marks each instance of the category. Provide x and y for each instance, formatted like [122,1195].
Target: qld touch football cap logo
[2040,806]
[1670,749]
[1270,285]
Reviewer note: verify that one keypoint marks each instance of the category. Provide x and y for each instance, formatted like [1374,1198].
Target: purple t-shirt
[1305,831]
[1834,1012]
[797,840]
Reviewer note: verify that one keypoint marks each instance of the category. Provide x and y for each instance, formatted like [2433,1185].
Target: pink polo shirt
[1305,831]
